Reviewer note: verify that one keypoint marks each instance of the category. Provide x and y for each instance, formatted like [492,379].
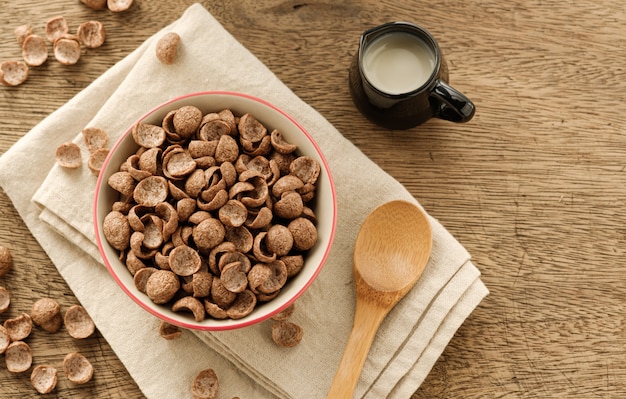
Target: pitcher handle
[452,105]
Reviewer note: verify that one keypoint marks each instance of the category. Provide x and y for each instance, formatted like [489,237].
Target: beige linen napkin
[56,204]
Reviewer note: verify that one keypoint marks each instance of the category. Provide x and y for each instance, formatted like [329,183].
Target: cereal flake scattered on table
[77,368]
[44,378]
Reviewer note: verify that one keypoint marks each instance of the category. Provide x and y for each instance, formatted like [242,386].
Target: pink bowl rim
[246,322]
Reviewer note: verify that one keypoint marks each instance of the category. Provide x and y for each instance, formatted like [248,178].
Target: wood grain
[534,186]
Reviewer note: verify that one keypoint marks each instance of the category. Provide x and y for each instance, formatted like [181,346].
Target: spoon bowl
[391,251]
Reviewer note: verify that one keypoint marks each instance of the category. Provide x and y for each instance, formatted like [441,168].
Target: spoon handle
[367,319]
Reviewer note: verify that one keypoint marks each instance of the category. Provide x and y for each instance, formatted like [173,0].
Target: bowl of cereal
[215,211]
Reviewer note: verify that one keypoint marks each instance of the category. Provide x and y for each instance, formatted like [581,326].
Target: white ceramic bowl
[324,205]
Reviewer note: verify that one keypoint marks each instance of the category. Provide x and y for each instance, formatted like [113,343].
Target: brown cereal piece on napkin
[13,73]
[5,339]
[6,261]
[77,368]
[169,331]
[67,50]
[162,285]
[78,323]
[205,385]
[91,34]
[68,155]
[5,299]
[56,27]
[95,4]
[286,334]
[22,32]
[95,138]
[190,304]
[34,50]
[167,47]
[44,378]
[119,5]
[285,313]
[96,160]
[18,357]
[46,314]
[19,327]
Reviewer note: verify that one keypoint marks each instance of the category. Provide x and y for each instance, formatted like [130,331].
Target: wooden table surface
[534,186]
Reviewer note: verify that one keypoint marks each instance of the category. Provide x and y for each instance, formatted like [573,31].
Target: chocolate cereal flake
[44,378]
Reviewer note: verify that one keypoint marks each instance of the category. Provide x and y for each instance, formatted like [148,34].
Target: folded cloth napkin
[56,205]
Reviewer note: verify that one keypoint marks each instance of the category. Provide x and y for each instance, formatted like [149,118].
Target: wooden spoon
[391,251]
